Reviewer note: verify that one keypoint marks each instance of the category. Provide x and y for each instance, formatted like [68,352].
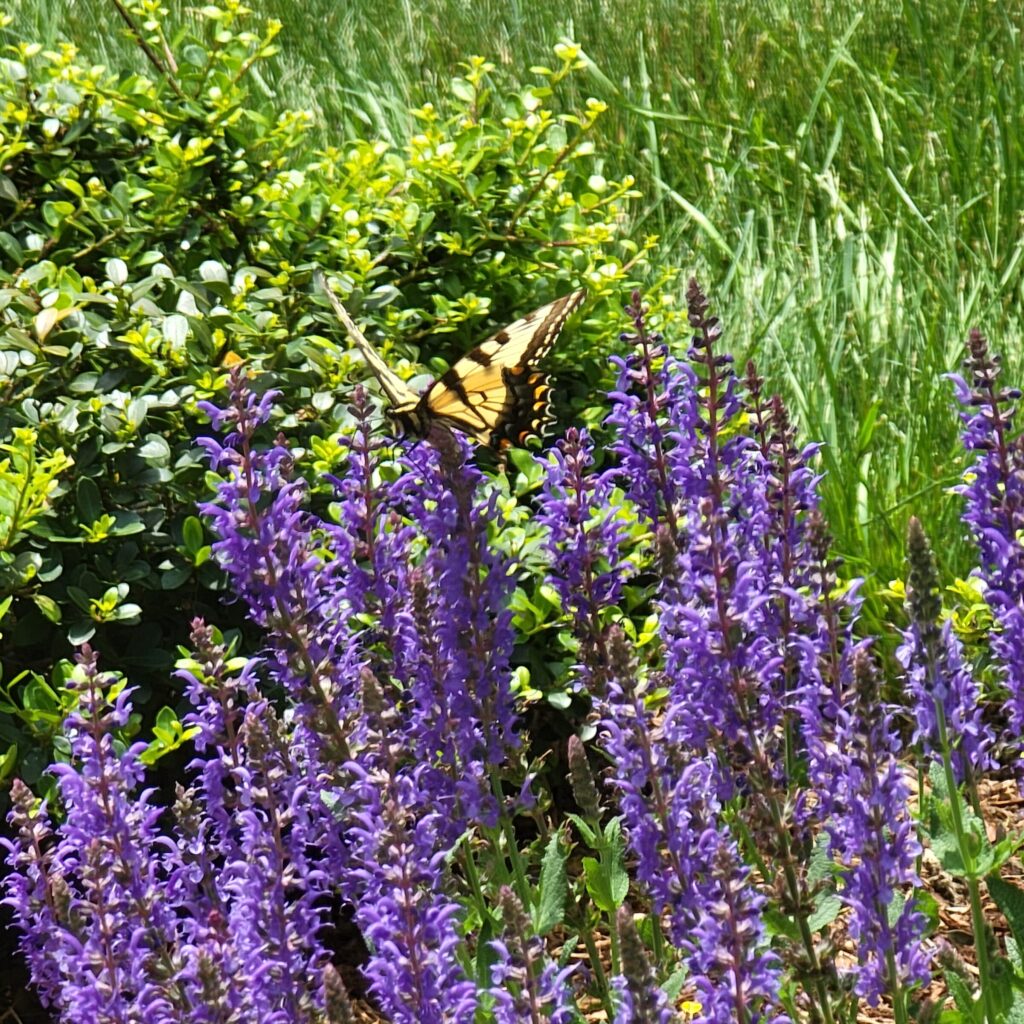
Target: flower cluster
[639,1000]
[723,648]
[396,881]
[748,722]
[527,987]
[88,894]
[993,491]
[671,810]
[273,551]
[585,535]
[122,922]
[758,658]
[871,832]
[425,700]
[947,712]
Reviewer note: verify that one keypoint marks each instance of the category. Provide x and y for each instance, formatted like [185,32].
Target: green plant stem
[896,990]
[587,935]
[514,856]
[970,871]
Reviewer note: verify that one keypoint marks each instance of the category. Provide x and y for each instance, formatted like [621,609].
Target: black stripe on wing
[494,393]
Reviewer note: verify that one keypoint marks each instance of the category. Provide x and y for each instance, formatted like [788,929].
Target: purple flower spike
[685,859]
[527,987]
[586,532]
[993,492]
[111,932]
[396,882]
[872,835]
[938,680]
[655,414]
[639,1000]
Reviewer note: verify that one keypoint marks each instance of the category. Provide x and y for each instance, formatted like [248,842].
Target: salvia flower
[947,712]
[684,857]
[95,880]
[736,976]
[872,835]
[396,881]
[993,492]
[654,414]
[586,531]
[663,803]
[823,646]
[725,653]
[639,1000]
[264,847]
[273,550]
[462,712]
[527,987]
[427,684]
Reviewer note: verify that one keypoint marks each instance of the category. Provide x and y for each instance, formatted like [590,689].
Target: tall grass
[847,186]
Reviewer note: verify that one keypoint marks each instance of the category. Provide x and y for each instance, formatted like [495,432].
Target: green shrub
[158,228]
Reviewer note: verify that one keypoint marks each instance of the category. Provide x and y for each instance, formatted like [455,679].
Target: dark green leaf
[1010,900]
[47,606]
[81,632]
[87,497]
[12,248]
[553,886]
[192,534]
[962,996]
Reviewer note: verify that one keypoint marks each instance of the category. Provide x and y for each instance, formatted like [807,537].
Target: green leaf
[821,865]
[779,923]
[56,213]
[87,498]
[192,534]
[175,577]
[1010,900]
[8,761]
[81,632]
[674,984]
[553,886]
[463,90]
[80,597]
[589,836]
[195,55]
[70,184]
[12,248]
[606,879]
[1015,1011]
[47,605]
[486,955]
[168,735]
[975,858]
[962,995]
[827,906]
[126,524]
[531,472]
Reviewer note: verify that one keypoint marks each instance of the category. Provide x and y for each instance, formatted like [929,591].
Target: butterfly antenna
[341,312]
[393,387]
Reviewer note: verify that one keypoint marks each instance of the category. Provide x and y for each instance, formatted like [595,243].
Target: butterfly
[494,394]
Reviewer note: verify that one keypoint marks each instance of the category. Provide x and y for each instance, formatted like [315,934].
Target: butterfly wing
[494,393]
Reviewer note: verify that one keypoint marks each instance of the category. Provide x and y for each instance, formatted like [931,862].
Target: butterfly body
[493,394]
